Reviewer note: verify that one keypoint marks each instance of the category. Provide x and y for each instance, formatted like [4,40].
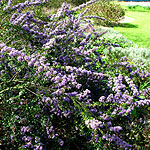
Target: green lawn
[139,30]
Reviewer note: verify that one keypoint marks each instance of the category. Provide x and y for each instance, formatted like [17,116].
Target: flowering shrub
[57,93]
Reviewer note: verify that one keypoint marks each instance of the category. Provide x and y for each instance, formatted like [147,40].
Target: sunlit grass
[139,30]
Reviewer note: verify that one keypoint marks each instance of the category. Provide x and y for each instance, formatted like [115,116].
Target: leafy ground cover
[58,88]
[139,30]
[124,47]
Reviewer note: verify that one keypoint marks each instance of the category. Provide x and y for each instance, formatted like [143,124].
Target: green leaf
[134,112]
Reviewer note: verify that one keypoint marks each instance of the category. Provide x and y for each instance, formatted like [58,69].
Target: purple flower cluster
[25,129]
[146,92]
[117,140]
[94,124]
[115,129]
[142,74]
[132,86]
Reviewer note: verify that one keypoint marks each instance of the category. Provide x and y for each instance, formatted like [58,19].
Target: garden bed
[64,86]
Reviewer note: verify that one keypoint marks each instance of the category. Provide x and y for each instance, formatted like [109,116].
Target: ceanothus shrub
[55,90]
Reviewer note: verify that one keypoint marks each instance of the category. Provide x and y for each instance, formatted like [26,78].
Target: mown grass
[139,30]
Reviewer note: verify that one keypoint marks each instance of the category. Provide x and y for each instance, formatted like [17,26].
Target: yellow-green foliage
[111,11]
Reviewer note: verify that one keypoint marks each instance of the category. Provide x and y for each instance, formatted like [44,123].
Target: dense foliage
[56,90]
[134,54]
[111,11]
[58,3]
[123,47]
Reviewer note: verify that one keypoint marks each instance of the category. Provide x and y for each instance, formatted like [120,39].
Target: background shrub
[113,38]
[134,54]
[111,11]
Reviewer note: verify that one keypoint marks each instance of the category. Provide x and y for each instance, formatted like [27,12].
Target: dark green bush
[78,2]
[58,3]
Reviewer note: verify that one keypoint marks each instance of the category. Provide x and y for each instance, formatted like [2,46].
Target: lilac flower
[109,124]
[33,59]
[73,94]
[94,124]
[25,129]
[36,63]
[48,73]
[2,45]
[20,58]
[3,50]
[105,117]
[2,56]
[50,43]
[102,98]
[20,6]
[61,142]
[120,142]
[30,63]
[12,54]
[123,58]
[59,92]
[13,17]
[115,129]
[40,68]
[78,86]
[110,98]
[27,138]
[27,58]
[84,5]
[87,92]
[20,18]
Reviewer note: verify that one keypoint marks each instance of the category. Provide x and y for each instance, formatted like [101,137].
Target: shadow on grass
[127,25]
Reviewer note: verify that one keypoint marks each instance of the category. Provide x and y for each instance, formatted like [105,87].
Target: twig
[4,90]
[32,92]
